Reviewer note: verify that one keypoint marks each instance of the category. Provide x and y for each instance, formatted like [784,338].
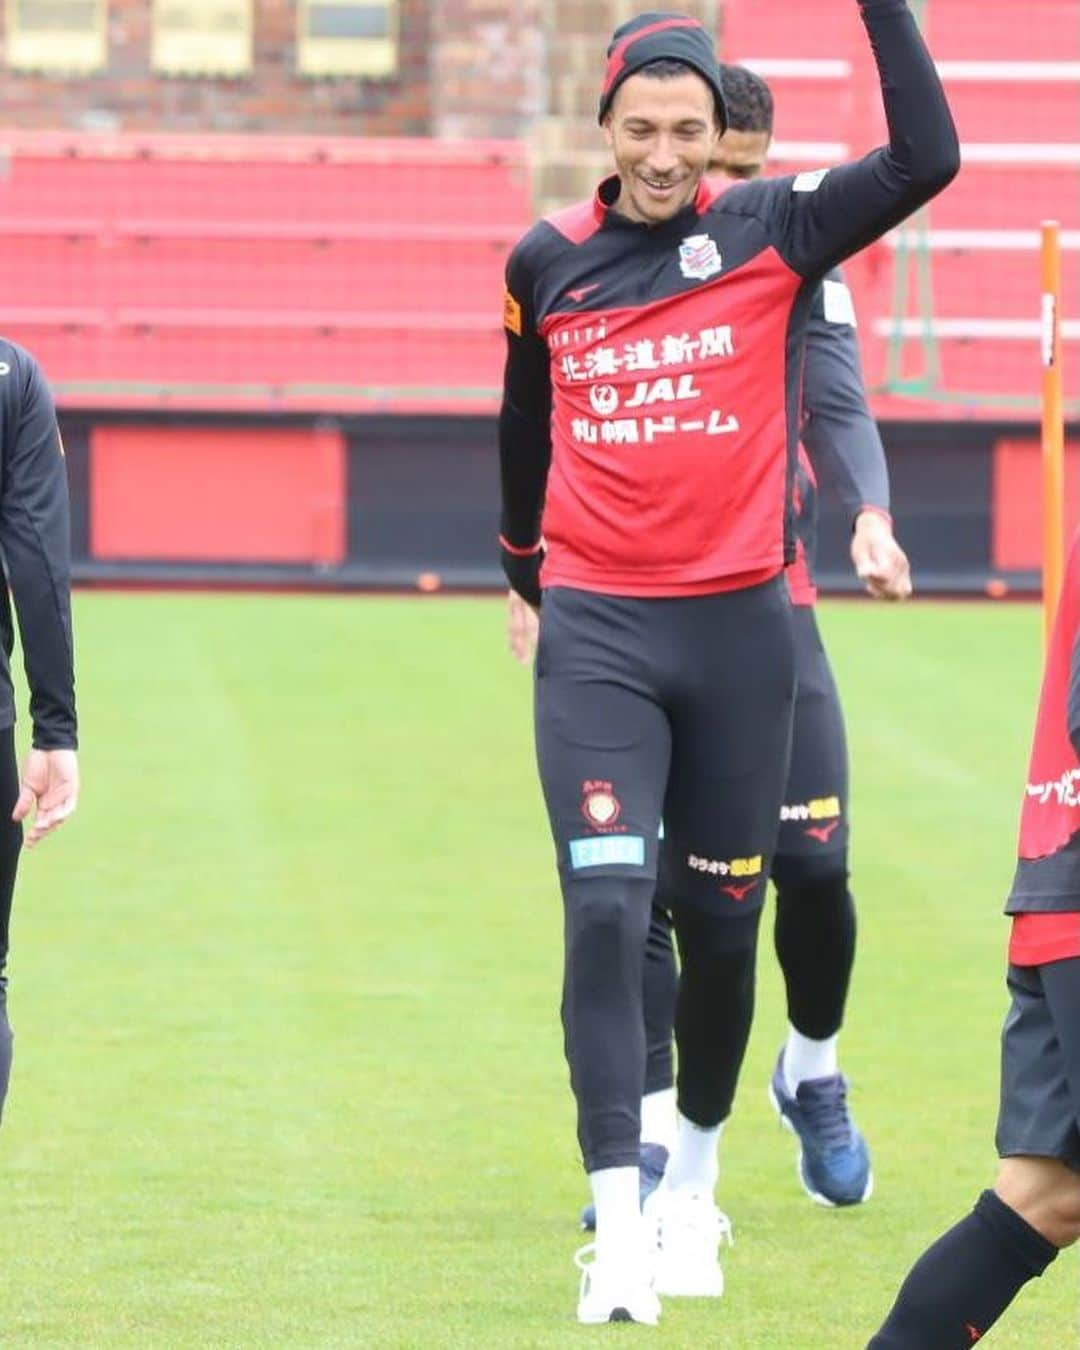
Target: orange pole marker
[1053,426]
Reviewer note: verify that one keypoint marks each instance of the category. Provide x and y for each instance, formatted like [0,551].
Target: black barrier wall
[420,506]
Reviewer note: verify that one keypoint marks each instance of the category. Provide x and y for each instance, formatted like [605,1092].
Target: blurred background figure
[34,541]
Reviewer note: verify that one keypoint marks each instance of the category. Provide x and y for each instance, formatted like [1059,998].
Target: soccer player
[962,1284]
[815,914]
[34,539]
[650,417]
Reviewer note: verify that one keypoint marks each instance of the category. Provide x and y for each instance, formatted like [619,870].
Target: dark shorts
[1040,1064]
[676,709]
[813,817]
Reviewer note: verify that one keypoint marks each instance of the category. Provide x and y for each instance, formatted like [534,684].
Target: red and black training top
[651,406]
[1045,895]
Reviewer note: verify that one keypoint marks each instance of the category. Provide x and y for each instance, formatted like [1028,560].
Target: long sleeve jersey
[35,542]
[1045,895]
[651,398]
[840,439]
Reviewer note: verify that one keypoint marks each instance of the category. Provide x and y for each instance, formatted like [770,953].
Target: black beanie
[658,37]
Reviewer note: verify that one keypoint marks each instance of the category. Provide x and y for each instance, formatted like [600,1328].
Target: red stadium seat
[1011,75]
[243,271]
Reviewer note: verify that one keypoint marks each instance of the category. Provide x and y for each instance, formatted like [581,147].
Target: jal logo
[664,390]
[604,399]
[699,257]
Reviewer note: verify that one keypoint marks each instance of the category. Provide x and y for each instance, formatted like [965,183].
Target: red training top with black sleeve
[651,401]
[1045,895]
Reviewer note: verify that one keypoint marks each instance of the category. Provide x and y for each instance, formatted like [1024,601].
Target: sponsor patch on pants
[625,849]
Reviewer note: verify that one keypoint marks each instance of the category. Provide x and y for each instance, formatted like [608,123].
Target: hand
[522,628]
[878,558]
[50,785]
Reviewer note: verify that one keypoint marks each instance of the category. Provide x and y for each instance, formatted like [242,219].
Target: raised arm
[524,433]
[828,215]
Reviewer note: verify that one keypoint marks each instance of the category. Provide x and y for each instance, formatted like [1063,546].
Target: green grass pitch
[289,1071]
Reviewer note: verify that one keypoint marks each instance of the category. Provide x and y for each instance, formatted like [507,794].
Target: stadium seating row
[241,271]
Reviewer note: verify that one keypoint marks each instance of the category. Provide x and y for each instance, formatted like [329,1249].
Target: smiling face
[662,132]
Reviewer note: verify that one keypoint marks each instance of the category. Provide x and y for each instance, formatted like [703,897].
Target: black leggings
[814,934]
[815,925]
[10,844]
[646,710]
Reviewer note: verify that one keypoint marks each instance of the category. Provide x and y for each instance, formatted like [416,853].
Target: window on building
[202,37]
[63,37]
[347,37]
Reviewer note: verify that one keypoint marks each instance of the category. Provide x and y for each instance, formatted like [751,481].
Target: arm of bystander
[843,441]
[35,539]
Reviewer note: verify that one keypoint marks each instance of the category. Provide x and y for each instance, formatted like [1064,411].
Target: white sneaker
[688,1230]
[613,1292]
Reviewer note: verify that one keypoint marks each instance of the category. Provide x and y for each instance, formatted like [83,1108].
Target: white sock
[805,1059]
[693,1162]
[658,1118]
[620,1229]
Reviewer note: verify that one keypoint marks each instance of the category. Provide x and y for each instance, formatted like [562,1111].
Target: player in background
[650,417]
[815,915]
[814,930]
[963,1283]
[35,541]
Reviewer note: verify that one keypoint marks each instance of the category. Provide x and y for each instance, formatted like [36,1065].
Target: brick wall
[489,66]
[129,96]
[568,150]
[467,68]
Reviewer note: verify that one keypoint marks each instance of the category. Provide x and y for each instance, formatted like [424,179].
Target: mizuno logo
[581,292]
[738,893]
[821,832]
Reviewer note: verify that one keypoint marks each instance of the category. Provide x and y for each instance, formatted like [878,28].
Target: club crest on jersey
[599,805]
[699,257]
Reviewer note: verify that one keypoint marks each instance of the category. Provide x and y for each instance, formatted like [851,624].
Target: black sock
[962,1284]
[714,1009]
[661,987]
[606,919]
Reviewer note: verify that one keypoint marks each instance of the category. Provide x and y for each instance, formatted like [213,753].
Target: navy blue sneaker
[834,1162]
[652,1163]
